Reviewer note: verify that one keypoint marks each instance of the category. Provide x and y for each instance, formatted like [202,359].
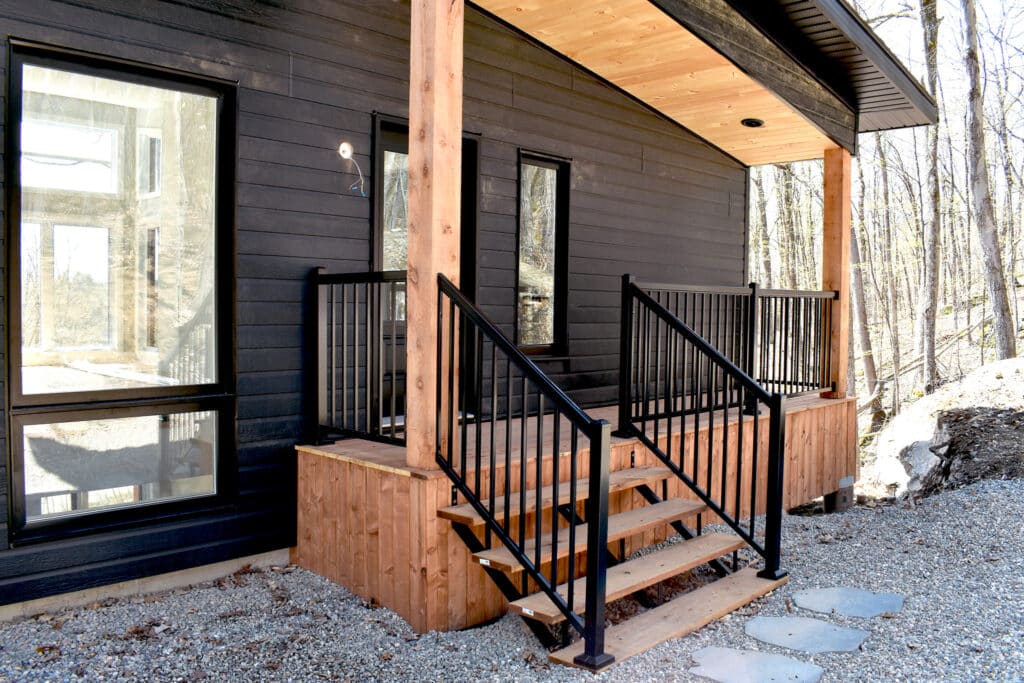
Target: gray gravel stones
[806,635]
[726,665]
[850,602]
[957,557]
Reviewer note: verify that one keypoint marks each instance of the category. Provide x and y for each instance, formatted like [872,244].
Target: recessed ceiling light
[752,123]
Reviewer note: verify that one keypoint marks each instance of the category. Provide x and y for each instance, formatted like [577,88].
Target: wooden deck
[370,523]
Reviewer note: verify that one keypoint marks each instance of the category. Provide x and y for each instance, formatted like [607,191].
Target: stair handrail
[633,295]
[598,431]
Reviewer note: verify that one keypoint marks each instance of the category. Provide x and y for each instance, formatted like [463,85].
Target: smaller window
[64,156]
[147,164]
[392,198]
[542,264]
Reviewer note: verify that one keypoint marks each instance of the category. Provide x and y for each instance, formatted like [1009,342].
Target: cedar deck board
[633,575]
[678,617]
[617,481]
[620,526]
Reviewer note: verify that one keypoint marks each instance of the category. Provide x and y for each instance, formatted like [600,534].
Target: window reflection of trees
[537,226]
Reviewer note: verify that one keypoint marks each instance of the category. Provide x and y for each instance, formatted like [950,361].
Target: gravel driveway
[957,557]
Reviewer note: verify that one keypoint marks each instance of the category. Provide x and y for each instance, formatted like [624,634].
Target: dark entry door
[391,229]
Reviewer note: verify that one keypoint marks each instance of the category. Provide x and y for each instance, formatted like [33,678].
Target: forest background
[938,212]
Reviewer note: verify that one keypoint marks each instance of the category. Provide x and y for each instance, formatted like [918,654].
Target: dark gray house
[197,282]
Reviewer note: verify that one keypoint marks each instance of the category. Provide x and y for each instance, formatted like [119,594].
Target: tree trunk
[981,195]
[860,314]
[932,209]
[763,242]
[888,258]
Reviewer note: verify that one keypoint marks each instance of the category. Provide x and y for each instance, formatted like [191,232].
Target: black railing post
[626,358]
[776,484]
[752,335]
[318,337]
[594,657]
[752,325]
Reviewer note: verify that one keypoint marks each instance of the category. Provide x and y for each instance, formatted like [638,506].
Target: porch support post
[435,169]
[835,260]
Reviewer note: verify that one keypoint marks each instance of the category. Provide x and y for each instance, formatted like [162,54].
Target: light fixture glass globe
[345,150]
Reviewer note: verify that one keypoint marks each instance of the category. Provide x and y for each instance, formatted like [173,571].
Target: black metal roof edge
[801,49]
[850,23]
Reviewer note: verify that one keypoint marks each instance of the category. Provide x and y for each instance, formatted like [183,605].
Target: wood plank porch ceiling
[636,46]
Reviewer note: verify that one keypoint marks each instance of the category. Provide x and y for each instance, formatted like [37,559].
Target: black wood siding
[647,197]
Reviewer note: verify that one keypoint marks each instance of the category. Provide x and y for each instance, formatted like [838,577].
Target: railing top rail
[798,293]
[698,341]
[360,278]
[698,289]
[565,405]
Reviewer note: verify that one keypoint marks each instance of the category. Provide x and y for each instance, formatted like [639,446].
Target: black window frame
[219,396]
[563,169]
[391,134]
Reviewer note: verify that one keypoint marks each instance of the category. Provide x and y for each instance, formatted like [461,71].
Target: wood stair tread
[621,525]
[636,574]
[619,480]
[680,616]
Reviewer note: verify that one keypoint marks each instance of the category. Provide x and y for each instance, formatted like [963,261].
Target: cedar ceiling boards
[638,47]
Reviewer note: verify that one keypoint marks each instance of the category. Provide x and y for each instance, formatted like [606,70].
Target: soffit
[637,47]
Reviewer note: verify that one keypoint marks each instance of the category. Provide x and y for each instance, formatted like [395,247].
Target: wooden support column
[435,168]
[835,259]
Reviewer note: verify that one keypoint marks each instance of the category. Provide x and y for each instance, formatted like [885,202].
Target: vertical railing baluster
[538,487]
[478,389]
[557,418]
[573,476]
[508,441]
[441,380]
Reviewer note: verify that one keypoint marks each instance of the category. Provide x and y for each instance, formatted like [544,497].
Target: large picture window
[542,243]
[119,313]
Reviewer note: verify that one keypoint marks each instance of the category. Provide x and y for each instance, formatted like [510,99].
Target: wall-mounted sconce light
[345,151]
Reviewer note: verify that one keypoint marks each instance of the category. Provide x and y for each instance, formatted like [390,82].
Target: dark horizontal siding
[311,73]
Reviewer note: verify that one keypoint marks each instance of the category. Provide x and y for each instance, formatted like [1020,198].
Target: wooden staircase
[555,543]
[679,616]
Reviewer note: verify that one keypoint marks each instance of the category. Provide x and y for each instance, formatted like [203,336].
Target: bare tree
[762,238]
[981,195]
[933,212]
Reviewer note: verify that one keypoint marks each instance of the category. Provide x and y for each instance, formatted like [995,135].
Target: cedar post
[835,261]
[435,169]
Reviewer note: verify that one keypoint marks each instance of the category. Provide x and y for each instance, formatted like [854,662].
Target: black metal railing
[700,414]
[781,338]
[504,430]
[794,340]
[360,351]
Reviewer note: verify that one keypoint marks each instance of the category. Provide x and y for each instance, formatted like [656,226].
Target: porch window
[543,219]
[392,212]
[118,323]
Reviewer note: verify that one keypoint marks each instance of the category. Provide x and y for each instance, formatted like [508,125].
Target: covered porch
[425,571]
[466,480]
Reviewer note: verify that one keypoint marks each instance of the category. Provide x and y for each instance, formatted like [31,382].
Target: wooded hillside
[937,212]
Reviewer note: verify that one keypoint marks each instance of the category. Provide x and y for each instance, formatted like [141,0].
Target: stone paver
[804,634]
[850,602]
[727,665]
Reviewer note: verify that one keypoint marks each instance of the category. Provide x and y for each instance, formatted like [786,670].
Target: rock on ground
[902,453]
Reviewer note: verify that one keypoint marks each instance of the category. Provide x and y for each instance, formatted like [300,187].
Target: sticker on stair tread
[527,611]
[485,562]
